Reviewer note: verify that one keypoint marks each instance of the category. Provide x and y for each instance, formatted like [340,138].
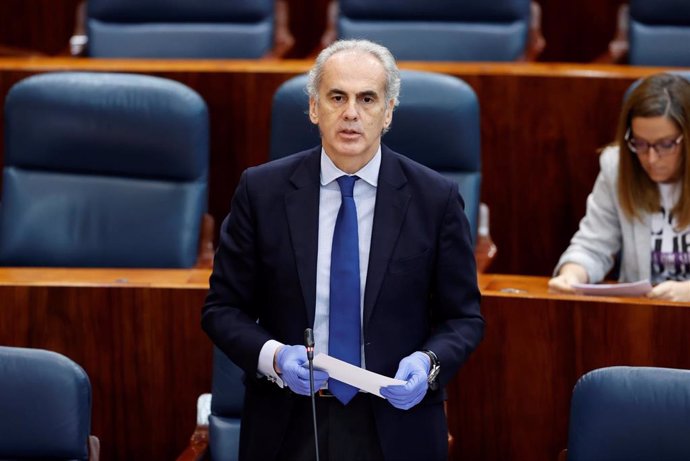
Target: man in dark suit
[347,232]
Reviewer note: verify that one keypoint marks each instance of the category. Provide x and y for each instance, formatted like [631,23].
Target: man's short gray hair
[392,90]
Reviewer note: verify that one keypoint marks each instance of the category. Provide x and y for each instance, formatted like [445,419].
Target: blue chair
[630,413]
[436,124]
[227,391]
[659,31]
[217,436]
[651,33]
[103,170]
[45,407]
[442,30]
[218,29]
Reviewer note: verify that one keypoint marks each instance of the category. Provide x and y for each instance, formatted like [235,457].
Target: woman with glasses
[639,208]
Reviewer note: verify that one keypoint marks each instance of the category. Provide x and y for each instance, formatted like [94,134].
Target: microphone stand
[309,344]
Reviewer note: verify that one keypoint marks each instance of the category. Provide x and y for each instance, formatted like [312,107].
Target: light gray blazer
[605,228]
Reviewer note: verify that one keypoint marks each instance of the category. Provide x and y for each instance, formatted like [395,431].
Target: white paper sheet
[614,289]
[352,375]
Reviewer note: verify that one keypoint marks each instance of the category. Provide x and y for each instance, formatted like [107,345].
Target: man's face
[351,110]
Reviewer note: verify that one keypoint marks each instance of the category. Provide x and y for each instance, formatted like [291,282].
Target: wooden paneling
[512,398]
[541,127]
[307,25]
[37,26]
[137,335]
[578,31]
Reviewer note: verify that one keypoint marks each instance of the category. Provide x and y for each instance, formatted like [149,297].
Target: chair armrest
[618,47]
[484,253]
[205,252]
[484,249]
[283,40]
[535,38]
[197,449]
[330,34]
[79,40]
[94,448]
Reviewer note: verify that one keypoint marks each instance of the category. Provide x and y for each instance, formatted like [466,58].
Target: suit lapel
[302,208]
[392,199]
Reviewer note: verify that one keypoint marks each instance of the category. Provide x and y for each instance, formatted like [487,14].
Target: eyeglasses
[662,148]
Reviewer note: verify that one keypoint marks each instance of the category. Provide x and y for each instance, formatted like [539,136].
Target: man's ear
[313,114]
[389,113]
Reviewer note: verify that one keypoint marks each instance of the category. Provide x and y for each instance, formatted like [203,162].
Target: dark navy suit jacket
[421,291]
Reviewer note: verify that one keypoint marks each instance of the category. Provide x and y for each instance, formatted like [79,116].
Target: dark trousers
[346,432]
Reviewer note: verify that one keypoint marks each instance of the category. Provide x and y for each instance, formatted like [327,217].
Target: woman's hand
[570,273]
[671,291]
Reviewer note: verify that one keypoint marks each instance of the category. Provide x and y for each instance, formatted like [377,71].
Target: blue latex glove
[294,370]
[415,370]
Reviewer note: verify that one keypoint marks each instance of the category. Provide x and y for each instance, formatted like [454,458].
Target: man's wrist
[267,359]
[276,368]
[434,369]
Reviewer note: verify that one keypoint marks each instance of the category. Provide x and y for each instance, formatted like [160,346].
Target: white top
[670,247]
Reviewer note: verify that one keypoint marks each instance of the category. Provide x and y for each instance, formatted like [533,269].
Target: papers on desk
[354,376]
[640,288]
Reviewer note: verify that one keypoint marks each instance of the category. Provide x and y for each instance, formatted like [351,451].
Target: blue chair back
[45,403]
[658,33]
[630,413]
[436,124]
[440,30]
[227,390]
[103,170]
[179,29]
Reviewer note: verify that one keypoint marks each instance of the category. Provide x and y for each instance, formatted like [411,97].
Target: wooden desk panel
[512,399]
[137,335]
[541,125]
[141,345]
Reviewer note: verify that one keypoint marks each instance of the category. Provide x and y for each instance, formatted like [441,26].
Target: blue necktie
[344,319]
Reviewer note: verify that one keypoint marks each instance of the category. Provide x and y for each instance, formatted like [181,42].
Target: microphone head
[308,338]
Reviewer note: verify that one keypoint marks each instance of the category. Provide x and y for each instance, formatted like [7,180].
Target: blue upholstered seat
[105,170]
[436,124]
[45,406]
[659,32]
[180,29]
[440,30]
[227,390]
[632,414]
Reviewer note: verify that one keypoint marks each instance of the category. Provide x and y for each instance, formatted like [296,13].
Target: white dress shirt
[329,203]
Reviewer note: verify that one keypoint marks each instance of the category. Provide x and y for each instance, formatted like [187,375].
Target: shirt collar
[368,173]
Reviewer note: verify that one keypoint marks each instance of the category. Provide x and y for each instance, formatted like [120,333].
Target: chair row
[111,170]
[650,32]
[472,30]
[632,413]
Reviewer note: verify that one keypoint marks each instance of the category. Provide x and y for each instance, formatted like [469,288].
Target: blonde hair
[659,95]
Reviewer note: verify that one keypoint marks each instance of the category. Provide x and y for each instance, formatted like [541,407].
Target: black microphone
[309,344]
